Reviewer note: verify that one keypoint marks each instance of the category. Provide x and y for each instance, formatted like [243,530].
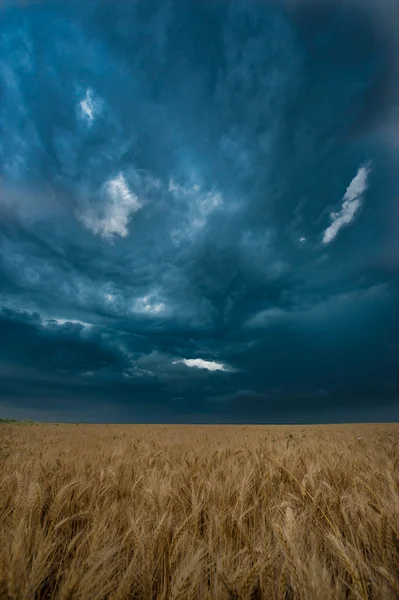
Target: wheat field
[199,512]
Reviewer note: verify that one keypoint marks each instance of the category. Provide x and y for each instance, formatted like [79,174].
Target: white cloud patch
[112,217]
[199,363]
[171,371]
[146,305]
[350,205]
[89,106]
[112,300]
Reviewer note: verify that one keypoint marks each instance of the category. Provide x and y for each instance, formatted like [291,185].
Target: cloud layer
[199,211]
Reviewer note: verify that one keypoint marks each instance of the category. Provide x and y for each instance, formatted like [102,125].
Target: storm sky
[199,211]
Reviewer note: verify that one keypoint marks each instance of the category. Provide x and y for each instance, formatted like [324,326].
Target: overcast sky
[199,210]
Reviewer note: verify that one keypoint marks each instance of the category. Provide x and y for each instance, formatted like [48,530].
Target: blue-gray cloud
[198,210]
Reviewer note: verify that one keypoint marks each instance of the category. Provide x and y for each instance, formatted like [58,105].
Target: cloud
[113,217]
[250,395]
[200,194]
[199,363]
[145,305]
[322,310]
[61,322]
[350,206]
[197,205]
[267,317]
[88,106]
[164,368]
[56,346]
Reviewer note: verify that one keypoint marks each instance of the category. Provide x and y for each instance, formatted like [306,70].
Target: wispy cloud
[323,310]
[200,205]
[89,106]
[267,317]
[60,322]
[350,205]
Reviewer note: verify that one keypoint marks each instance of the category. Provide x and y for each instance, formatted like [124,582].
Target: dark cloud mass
[199,210]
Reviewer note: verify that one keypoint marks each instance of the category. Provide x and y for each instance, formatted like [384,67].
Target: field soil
[199,512]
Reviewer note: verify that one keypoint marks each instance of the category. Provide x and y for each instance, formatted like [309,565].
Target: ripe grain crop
[199,512]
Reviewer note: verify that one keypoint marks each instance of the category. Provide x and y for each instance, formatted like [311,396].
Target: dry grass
[199,512]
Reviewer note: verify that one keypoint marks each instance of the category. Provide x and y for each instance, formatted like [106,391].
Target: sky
[199,211]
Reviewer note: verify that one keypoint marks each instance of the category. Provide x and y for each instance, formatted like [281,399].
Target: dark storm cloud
[198,210]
